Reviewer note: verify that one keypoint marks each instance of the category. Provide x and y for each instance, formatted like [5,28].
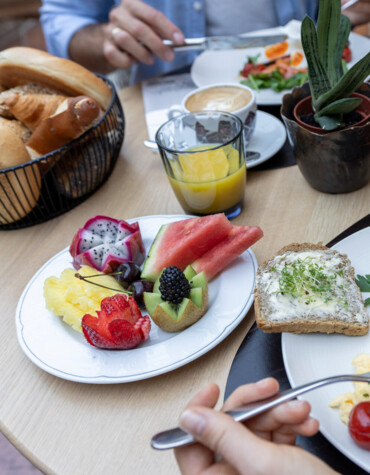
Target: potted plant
[328,122]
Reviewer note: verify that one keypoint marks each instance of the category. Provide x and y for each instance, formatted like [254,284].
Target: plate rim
[280,142]
[103,379]
[323,430]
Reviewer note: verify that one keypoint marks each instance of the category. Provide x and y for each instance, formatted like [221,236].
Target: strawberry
[119,325]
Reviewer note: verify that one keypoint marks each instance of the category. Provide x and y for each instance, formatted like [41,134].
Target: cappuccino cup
[236,99]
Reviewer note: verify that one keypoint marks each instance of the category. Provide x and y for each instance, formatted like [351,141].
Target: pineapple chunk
[71,298]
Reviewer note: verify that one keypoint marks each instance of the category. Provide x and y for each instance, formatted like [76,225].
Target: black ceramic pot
[337,162]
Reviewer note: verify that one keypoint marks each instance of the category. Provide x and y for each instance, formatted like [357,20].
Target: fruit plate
[59,350]
[315,356]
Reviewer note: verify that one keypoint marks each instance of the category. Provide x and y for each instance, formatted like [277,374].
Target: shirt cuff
[58,32]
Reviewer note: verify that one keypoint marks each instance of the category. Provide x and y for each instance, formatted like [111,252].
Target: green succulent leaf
[329,122]
[342,106]
[348,83]
[327,35]
[318,79]
[344,30]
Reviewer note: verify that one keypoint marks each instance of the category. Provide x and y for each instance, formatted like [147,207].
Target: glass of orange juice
[203,155]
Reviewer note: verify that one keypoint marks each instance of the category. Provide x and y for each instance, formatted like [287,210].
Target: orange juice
[211,181]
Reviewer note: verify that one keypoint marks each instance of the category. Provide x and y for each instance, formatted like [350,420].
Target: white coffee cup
[226,97]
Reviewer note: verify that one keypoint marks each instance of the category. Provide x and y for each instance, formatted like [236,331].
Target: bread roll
[20,188]
[17,127]
[24,89]
[31,109]
[73,117]
[21,65]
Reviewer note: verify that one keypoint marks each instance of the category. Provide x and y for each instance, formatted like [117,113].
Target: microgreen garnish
[308,280]
[365,395]
[87,279]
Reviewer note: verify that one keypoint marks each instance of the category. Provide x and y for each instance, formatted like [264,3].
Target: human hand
[135,32]
[260,445]
[359,12]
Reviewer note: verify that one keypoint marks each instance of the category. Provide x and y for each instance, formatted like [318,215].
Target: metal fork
[177,437]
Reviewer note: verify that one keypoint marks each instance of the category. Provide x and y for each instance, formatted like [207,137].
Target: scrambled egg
[345,402]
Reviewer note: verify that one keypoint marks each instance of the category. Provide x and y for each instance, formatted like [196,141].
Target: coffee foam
[220,98]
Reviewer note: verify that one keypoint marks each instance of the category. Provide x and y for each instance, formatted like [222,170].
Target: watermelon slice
[218,257]
[182,242]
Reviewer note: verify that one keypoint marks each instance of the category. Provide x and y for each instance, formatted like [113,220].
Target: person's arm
[81,21]
[358,13]
[262,445]
[103,39]
[87,48]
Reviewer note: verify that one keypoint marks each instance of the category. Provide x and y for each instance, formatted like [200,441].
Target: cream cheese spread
[300,284]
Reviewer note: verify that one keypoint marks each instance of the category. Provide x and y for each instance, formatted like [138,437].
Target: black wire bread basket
[39,190]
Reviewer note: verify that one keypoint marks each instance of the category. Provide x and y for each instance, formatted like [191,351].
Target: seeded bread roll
[17,127]
[308,288]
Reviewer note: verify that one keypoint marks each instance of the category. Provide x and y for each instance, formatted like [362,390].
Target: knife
[226,42]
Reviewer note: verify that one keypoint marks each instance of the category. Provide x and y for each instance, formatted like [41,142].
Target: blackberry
[174,286]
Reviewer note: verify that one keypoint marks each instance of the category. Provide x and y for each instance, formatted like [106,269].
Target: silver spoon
[177,437]
[249,154]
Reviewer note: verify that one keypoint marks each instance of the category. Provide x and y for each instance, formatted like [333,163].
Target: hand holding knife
[215,43]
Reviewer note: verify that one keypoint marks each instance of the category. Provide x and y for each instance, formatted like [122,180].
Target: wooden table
[70,428]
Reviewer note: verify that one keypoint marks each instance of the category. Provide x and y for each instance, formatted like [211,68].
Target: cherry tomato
[359,424]
[347,54]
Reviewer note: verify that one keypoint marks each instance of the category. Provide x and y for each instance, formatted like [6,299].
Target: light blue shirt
[62,18]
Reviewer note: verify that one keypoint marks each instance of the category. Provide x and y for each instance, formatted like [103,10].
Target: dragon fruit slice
[104,243]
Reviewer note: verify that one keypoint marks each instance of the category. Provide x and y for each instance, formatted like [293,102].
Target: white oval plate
[59,350]
[213,67]
[315,356]
[267,139]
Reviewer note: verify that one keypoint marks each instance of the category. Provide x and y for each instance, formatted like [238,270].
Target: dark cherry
[138,287]
[128,272]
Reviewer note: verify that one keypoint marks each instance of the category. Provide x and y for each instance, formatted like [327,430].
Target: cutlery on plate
[348,4]
[249,154]
[226,42]
[177,437]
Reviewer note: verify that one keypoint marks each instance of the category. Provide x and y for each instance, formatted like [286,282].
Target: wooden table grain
[70,428]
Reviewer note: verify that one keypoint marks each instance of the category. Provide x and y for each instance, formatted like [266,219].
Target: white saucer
[268,138]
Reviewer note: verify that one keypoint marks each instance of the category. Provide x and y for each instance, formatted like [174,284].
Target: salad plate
[314,356]
[212,67]
[59,350]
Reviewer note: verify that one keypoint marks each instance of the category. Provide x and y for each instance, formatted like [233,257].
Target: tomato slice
[247,69]
[359,424]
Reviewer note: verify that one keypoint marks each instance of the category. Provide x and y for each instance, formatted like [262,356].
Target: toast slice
[308,288]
